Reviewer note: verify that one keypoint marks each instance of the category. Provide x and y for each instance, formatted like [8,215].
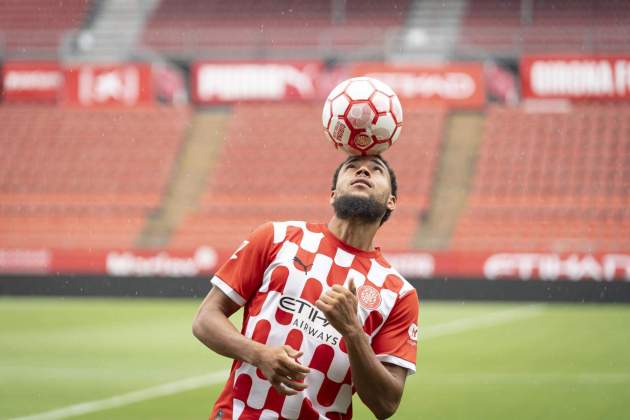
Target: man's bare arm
[212,327]
[380,386]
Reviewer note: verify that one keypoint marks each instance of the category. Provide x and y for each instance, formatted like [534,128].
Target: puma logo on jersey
[304,266]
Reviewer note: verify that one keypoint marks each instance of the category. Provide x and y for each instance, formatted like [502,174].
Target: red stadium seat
[297,27]
[550,182]
[81,178]
[34,28]
[583,26]
[278,167]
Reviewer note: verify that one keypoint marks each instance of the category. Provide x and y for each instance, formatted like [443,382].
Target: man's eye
[378,169]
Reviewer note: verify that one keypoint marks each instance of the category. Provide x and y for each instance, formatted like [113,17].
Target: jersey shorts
[277,274]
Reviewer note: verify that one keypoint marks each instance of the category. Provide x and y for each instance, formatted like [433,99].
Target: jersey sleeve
[241,275]
[396,342]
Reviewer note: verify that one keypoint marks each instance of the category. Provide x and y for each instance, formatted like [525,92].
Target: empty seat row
[84,178]
[536,199]
[294,182]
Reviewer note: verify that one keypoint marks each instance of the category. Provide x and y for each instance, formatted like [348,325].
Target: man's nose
[364,170]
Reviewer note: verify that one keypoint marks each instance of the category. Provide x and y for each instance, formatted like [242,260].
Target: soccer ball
[362,116]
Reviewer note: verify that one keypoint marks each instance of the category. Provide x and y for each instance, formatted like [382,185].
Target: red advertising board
[576,77]
[522,266]
[97,85]
[216,82]
[203,261]
[459,85]
[31,81]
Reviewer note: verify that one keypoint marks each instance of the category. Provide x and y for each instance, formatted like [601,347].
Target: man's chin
[359,205]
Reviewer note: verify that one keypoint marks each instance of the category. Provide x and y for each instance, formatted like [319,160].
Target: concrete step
[188,182]
[430,29]
[114,31]
[453,179]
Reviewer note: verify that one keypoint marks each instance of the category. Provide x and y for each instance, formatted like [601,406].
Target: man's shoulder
[276,226]
[283,230]
[395,281]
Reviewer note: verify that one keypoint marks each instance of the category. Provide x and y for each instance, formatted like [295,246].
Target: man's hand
[280,368]
[340,307]
[380,387]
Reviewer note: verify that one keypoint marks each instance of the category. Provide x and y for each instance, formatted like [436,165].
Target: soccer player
[325,314]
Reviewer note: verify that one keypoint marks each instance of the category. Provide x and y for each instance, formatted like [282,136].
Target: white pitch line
[482,321]
[131,397]
[452,327]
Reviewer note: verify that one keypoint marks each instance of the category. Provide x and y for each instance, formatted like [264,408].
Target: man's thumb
[351,287]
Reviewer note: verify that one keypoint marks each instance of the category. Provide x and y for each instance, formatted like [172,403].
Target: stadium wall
[429,289]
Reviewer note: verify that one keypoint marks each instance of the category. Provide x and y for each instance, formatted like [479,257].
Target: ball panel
[360,115]
[380,101]
[351,150]
[331,140]
[359,90]
[338,90]
[338,130]
[326,114]
[382,87]
[397,109]
[340,105]
[385,126]
[395,135]
[378,148]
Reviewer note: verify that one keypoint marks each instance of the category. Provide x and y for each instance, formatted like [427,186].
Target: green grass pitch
[535,362]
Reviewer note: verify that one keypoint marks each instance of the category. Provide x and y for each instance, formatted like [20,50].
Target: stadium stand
[34,28]
[293,28]
[83,178]
[74,177]
[566,26]
[551,182]
[272,166]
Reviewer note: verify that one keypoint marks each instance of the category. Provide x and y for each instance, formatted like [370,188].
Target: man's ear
[391,203]
[332,197]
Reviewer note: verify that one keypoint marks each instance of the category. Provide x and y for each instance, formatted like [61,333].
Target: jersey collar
[376,253]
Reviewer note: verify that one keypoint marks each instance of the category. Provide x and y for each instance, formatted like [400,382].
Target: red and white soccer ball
[362,116]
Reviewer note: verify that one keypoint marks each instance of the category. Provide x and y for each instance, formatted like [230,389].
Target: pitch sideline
[447,328]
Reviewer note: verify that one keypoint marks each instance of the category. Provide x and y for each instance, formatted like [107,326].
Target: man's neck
[355,233]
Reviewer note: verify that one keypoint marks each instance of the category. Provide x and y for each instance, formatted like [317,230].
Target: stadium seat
[294,28]
[275,165]
[550,182]
[34,28]
[82,178]
[583,26]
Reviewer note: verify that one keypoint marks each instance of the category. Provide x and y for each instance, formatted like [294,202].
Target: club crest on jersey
[369,297]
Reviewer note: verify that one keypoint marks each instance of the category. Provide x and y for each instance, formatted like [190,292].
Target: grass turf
[565,362]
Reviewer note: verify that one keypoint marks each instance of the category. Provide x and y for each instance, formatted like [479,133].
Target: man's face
[364,178]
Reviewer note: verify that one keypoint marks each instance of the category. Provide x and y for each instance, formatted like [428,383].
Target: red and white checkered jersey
[278,273]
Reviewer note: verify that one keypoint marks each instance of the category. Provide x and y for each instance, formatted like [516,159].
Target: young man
[325,314]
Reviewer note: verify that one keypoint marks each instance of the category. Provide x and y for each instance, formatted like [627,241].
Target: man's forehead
[374,158]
